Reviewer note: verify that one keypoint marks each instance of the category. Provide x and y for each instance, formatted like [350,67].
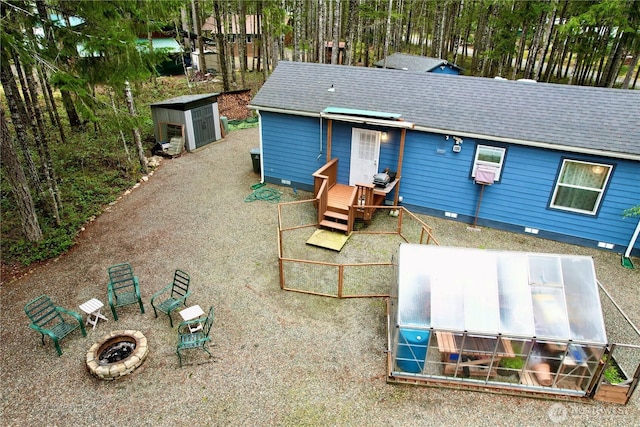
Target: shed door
[365,152]
[204,130]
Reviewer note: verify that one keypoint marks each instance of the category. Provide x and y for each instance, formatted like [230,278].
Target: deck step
[334,225]
[336,216]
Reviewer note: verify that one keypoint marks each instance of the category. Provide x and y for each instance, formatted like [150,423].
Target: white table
[92,308]
[191,313]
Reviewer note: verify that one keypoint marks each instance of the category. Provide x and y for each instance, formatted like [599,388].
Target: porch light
[384,136]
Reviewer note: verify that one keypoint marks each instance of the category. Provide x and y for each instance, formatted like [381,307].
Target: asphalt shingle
[584,118]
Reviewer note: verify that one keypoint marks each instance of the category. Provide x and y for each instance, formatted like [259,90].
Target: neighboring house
[565,159]
[424,64]
[231,29]
[173,65]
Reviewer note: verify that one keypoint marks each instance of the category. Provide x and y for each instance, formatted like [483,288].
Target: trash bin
[255,158]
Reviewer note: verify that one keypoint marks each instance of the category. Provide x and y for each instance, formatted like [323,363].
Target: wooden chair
[178,291]
[47,319]
[123,288]
[200,339]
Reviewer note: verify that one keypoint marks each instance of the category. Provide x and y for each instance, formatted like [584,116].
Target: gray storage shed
[189,121]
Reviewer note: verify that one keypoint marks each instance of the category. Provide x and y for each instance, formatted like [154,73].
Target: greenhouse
[496,320]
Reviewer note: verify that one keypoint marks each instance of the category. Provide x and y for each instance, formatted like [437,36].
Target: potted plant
[510,366]
[615,383]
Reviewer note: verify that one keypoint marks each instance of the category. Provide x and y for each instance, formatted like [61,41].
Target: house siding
[436,180]
[521,198]
[291,147]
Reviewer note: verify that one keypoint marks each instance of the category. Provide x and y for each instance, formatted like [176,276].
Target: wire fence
[362,268]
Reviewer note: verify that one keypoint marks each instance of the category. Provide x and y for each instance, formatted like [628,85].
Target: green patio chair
[46,318]
[174,294]
[123,288]
[200,339]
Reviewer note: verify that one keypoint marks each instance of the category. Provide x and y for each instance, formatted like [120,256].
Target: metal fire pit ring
[112,371]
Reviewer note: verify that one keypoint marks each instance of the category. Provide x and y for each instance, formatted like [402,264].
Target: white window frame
[606,169]
[496,166]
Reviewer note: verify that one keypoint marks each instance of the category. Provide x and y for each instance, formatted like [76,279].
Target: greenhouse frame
[518,321]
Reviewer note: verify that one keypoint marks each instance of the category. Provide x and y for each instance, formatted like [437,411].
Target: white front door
[365,151]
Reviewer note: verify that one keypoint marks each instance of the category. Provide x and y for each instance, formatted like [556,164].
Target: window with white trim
[580,186]
[489,157]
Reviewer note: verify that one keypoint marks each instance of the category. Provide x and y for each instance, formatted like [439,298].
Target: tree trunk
[635,51]
[67,100]
[535,46]
[614,62]
[387,33]
[222,45]
[18,118]
[335,50]
[550,27]
[144,165]
[115,114]
[352,28]
[43,149]
[19,187]
[321,19]
[297,29]
[185,28]
[51,105]
[197,29]
[242,45]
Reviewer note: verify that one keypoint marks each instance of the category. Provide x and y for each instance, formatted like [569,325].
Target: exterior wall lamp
[457,146]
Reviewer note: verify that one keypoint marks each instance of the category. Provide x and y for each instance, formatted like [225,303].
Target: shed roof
[186,102]
[404,61]
[575,118]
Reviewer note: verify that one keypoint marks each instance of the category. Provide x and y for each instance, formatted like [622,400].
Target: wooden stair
[335,220]
[336,216]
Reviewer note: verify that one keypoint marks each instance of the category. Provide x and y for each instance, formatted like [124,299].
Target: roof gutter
[537,144]
[409,125]
[284,111]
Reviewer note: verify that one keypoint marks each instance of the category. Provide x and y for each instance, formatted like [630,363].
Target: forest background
[78,77]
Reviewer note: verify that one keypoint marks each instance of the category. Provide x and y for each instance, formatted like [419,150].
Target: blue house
[557,161]
[425,64]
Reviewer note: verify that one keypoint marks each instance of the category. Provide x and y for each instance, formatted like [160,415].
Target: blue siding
[291,149]
[441,182]
[436,180]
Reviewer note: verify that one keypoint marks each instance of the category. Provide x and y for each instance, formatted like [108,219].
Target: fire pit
[117,354]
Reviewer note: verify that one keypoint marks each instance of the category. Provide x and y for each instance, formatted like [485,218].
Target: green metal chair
[123,288]
[178,291]
[47,319]
[200,339]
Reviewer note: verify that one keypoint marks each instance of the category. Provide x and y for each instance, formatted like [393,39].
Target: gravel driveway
[282,358]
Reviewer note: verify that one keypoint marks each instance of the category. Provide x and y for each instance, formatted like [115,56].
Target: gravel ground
[282,358]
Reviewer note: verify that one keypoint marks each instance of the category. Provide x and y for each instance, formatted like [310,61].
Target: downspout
[261,156]
[626,261]
[320,154]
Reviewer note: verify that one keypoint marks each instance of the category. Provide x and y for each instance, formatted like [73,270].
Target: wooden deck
[340,197]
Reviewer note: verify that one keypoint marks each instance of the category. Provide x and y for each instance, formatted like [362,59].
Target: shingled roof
[577,118]
[404,61]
